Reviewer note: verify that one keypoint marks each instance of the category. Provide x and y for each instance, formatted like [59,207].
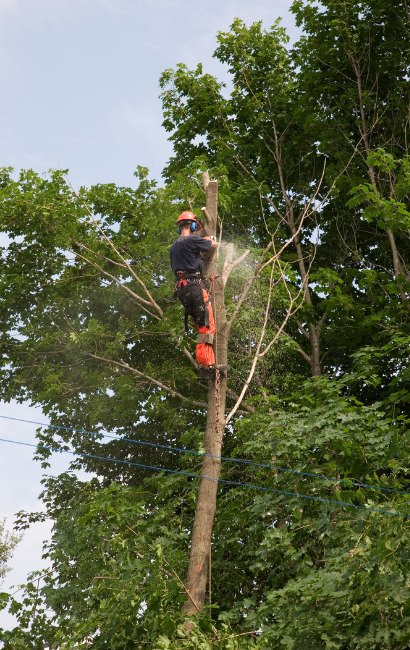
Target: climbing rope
[218,433]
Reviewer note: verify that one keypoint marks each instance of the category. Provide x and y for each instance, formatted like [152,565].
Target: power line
[193,452]
[167,470]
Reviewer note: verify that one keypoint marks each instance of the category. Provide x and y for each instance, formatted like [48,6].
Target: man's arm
[214,243]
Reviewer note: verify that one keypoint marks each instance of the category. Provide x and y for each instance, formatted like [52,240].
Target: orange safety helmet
[191,217]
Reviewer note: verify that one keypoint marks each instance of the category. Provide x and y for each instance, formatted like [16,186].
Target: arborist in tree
[186,265]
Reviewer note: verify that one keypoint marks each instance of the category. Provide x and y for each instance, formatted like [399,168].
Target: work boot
[209,372]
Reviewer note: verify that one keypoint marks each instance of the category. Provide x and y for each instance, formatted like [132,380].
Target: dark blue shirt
[185,252]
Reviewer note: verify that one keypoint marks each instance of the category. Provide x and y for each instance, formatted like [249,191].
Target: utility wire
[192,452]
[298,495]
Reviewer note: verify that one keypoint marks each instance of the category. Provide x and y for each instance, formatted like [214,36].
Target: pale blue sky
[79,82]
[79,78]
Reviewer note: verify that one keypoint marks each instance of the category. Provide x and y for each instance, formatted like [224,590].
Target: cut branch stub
[205,180]
[210,212]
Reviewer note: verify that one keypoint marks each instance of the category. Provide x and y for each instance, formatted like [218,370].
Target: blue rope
[211,478]
[242,461]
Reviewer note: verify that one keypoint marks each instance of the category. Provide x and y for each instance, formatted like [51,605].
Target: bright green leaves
[319,431]
[87,287]
[78,310]
[284,569]
[7,544]
[258,62]
[192,106]
[321,576]
[387,205]
[115,567]
[353,602]
[289,133]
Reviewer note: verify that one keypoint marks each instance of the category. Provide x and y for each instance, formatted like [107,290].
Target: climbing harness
[191,292]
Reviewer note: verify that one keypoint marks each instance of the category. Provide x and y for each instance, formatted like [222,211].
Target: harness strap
[206,303]
[205,338]
[188,277]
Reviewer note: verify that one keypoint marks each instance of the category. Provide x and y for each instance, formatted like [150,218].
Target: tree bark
[199,561]
[314,329]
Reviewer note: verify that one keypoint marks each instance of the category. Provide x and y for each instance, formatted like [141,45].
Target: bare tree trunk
[198,569]
[315,351]
[313,334]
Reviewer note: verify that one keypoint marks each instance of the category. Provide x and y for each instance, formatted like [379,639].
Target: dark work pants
[192,300]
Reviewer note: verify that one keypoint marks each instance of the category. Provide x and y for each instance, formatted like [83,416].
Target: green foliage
[388,211]
[285,570]
[319,559]
[289,129]
[66,296]
[7,544]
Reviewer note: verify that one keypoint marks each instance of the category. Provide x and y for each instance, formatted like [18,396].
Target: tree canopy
[309,544]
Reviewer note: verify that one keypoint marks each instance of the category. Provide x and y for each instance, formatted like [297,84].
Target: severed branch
[206,214]
[151,380]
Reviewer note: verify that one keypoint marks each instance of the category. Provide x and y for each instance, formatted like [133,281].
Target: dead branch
[141,301]
[259,268]
[151,380]
[256,356]
[289,312]
[258,353]
[114,248]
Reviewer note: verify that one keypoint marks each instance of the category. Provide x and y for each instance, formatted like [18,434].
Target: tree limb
[141,301]
[113,247]
[151,380]
[258,354]
[259,268]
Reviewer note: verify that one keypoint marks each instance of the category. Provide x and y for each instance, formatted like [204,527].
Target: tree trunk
[313,332]
[399,269]
[199,561]
[314,337]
